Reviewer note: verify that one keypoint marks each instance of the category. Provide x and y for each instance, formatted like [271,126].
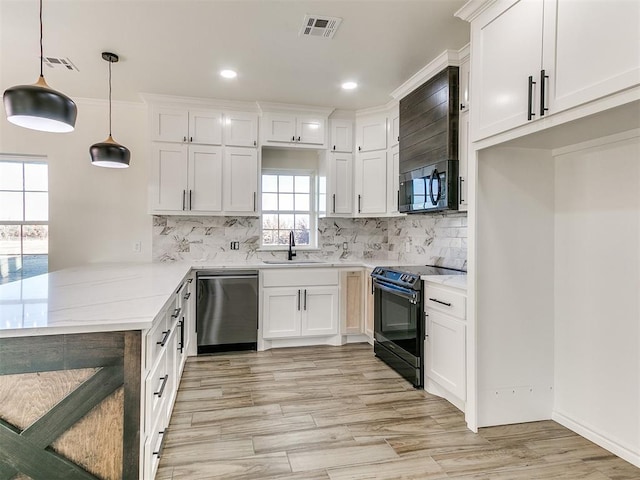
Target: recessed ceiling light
[349,85]
[228,74]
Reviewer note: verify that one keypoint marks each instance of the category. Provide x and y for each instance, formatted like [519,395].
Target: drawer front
[153,448]
[159,334]
[445,300]
[157,387]
[296,277]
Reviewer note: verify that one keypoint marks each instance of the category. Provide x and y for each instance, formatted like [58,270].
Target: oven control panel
[399,278]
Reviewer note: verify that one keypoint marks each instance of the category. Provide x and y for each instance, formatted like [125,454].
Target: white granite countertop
[115,297]
[93,298]
[457,281]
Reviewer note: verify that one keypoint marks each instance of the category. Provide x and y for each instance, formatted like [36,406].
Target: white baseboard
[597,438]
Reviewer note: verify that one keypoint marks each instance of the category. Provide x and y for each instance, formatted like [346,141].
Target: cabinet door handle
[530,113]
[165,337]
[359,203]
[426,325]
[460,189]
[398,204]
[462,106]
[440,302]
[181,346]
[184,199]
[159,452]
[190,139]
[334,203]
[184,139]
[543,83]
[164,384]
[293,139]
[190,203]
[298,138]
[254,201]
[187,295]
[305,298]
[176,313]
[334,147]
[298,304]
[255,143]
[359,148]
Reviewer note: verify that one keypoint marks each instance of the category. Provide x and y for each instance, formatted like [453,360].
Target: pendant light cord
[109,95]
[41,51]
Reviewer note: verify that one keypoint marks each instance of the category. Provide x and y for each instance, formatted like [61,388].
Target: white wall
[597,302]
[95,214]
[514,294]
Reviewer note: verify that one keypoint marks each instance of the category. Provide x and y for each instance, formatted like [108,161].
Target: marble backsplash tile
[435,239]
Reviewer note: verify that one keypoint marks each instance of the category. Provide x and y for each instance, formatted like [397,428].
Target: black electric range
[399,322]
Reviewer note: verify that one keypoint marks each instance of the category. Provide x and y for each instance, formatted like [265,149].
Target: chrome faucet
[292,243]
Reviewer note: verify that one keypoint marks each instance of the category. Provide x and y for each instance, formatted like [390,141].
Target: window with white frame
[287,205]
[24,218]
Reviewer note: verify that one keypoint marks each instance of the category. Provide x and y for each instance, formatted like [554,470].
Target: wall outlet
[235,245]
[137,247]
[345,246]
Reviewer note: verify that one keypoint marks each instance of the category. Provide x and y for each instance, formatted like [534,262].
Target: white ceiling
[178,47]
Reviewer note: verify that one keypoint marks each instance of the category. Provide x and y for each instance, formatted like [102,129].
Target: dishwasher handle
[226,277]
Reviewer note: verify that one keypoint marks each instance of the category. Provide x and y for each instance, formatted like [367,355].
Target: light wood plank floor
[338,413]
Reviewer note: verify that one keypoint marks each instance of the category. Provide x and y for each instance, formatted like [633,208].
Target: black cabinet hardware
[543,88]
[164,384]
[530,113]
[440,302]
[165,337]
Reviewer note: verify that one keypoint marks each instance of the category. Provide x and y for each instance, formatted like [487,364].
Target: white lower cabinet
[445,343]
[300,303]
[165,354]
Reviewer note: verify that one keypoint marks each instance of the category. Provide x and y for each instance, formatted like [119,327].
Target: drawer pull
[440,302]
[186,297]
[164,384]
[176,313]
[165,337]
[161,448]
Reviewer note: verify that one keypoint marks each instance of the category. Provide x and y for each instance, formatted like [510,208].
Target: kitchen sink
[290,262]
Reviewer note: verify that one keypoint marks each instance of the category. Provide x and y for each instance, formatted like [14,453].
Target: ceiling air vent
[320,26]
[60,63]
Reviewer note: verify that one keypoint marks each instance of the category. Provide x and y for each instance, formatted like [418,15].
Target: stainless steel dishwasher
[227,310]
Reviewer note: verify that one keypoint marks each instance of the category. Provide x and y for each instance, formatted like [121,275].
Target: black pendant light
[110,153]
[38,106]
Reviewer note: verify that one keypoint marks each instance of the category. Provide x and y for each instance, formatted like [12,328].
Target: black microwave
[432,188]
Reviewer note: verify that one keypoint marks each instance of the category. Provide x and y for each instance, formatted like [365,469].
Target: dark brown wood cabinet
[429,122]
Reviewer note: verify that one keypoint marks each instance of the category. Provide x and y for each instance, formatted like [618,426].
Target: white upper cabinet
[507,51]
[240,129]
[371,183]
[290,130]
[205,127]
[186,126]
[168,184]
[371,133]
[185,178]
[341,136]
[169,125]
[463,90]
[534,58]
[240,180]
[394,126]
[596,50]
[393,180]
[204,179]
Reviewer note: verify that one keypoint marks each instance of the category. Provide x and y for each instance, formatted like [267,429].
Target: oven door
[398,321]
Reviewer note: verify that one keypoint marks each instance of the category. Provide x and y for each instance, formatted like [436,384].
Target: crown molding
[442,61]
[470,10]
[175,101]
[293,108]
